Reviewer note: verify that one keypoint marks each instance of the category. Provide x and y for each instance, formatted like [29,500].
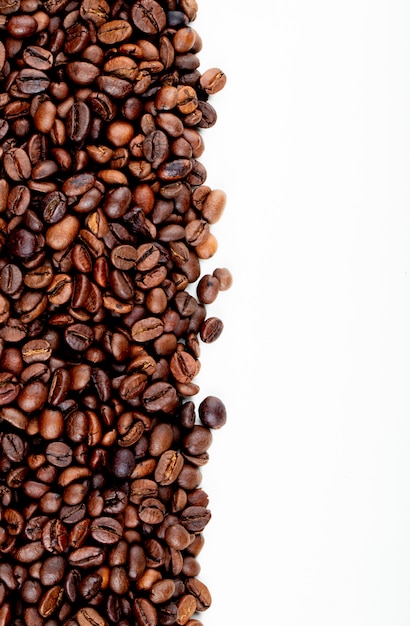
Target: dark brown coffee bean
[38,58]
[78,121]
[59,454]
[18,200]
[123,463]
[90,586]
[11,279]
[211,329]
[162,591]
[54,536]
[78,184]
[13,447]
[132,386]
[9,388]
[95,11]
[37,350]
[156,147]
[31,591]
[17,164]
[174,170]
[161,439]
[124,257]
[59,387]
[212,412]
[147,329]
[186,606]
[44,169]
[31,81]
[79,337]
[197,441]
[54,207]
[106,530]
[87,557]
[82,72]
[195,518]
[144,612]
[200,592]
[50,601]
[9,6]
[29,552]
[142,488]
[148,16]
[90,617]
[60,236]
[117,202]
[114,32]
[168,467]
[183,366]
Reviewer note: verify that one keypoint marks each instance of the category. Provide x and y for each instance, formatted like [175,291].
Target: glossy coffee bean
[105,219]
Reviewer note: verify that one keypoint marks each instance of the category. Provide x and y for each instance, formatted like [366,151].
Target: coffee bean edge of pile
[105,221]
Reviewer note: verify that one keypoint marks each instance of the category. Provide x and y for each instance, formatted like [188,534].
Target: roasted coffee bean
[11,279]
[211,329]
[212,412]
[144,612]
[38,58]
[17,164]
[18,200]
[32,81]
[78,121]
[79,337]
[148,16]
[59,454]
[87,557]
[54,207]
[105,220]
[90,617]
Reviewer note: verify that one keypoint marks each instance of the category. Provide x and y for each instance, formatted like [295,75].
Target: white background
[309,482]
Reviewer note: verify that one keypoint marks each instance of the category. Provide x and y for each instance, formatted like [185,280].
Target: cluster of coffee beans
[104,220]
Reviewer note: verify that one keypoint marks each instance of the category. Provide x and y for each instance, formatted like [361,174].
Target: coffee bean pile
[105,218]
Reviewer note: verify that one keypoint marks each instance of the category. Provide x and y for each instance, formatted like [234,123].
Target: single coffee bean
[31,81]
[95,11]
[51,601]
[160,396]
[144,612]
[211,329]
[186,606]
[61,235]
[78,121]
[208,289]
[78,184]
[169,467]
[90,617]
[59,454]
[36,350]
[147,329]
[11,279]
[200,592]
[113,32]
[90,586]
[18,200]
[38,58]
[87,557]
[17,164]
[212,80]
[183,366]
[54,536]
[148,16]
[224,277]
[79,337]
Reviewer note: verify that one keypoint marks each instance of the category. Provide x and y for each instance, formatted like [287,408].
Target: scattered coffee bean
[105,218]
